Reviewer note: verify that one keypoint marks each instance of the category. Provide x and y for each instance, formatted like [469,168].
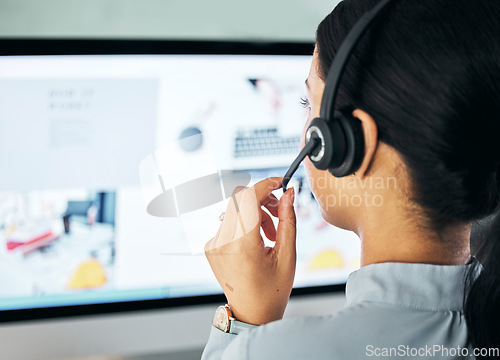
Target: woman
[424,83]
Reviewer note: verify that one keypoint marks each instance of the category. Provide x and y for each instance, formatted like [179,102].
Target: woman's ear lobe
[370,132]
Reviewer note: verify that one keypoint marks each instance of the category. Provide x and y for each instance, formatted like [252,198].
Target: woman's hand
[257,280]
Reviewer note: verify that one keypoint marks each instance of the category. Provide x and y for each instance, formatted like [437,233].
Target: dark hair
[428,72]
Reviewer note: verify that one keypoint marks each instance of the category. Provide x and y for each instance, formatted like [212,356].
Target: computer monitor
[87,127]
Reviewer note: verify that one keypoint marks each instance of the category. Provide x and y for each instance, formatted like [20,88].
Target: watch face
[221,319]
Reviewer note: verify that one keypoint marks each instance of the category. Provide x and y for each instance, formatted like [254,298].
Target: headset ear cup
[332,150]
[355,144]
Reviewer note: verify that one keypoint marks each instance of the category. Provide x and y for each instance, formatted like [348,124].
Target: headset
[335,140]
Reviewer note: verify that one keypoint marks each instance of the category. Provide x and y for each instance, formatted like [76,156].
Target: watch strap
[236,327]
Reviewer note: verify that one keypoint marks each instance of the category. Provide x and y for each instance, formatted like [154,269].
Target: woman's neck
[389,236]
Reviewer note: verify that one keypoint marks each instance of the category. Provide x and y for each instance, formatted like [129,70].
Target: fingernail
[292,195]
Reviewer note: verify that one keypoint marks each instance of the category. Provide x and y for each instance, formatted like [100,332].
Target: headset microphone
[306,151]
[335,140]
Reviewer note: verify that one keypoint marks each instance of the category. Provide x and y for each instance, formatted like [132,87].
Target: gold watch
[225,322]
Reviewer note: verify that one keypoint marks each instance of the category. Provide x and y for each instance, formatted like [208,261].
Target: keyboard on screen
[264,142]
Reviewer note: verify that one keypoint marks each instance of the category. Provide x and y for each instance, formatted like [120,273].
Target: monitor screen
[87,142]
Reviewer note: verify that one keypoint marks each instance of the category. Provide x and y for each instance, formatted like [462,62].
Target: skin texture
[375,203]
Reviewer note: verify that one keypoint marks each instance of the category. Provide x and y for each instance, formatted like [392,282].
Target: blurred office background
[284,20]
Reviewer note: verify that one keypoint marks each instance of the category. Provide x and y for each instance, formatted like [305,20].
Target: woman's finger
[286,233]
[265,187]
[267,225]
[247,211]
[271,203]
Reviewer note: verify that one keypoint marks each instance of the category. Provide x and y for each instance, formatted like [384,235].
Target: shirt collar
[418,286]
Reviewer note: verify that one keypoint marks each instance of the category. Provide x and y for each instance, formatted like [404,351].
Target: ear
[371,140]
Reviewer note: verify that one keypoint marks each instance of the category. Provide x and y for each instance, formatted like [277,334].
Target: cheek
[317,181]
[306,126]
[321,190]
[326,190]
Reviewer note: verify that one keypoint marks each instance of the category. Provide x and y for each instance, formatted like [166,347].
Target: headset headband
[340,61]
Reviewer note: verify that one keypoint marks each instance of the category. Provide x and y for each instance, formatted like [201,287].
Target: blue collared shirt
[393,311]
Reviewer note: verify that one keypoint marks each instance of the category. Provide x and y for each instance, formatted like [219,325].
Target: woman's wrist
[259,316]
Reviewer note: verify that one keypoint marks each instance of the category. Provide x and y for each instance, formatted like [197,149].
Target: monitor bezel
[33,47]
[43,47]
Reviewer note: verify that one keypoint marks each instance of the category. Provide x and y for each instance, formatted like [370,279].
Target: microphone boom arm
[311,145]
